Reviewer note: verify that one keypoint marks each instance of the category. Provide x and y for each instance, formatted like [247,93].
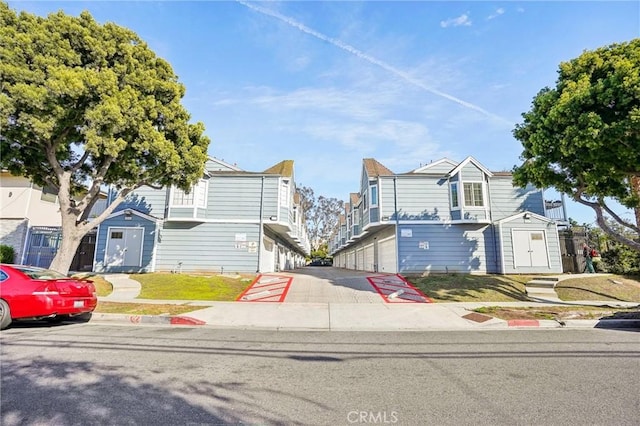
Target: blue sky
[327,84]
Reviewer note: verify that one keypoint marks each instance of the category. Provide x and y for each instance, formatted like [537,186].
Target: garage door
[368,258]
[360,259]
[267,255]
[351,260]
[387,256]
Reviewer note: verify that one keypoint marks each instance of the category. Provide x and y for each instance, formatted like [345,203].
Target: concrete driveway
[317,284]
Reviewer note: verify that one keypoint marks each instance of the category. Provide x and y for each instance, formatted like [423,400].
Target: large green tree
[322,215]
[85,105]
[583,136]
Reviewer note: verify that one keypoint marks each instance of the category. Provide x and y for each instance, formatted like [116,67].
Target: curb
[596,323]
[146,319]
[510,324]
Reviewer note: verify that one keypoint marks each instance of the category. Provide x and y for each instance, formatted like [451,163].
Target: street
[139,375]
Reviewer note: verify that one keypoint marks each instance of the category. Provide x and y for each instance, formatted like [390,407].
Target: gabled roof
[354,197]
[222,165]
[347,208]
[374,168]
[434,164]
[472,161]
[522,214]
[283,168]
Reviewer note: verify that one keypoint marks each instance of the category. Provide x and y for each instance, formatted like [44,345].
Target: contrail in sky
[348,48]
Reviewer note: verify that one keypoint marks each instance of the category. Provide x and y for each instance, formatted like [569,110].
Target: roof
[374,168]
[472,161]
[425,168]
[283,168]
[354,198]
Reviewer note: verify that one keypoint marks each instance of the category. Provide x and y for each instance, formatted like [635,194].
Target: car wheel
[86,317]
[5,315]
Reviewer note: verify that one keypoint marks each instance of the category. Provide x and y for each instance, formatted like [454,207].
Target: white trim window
[473,194]
[284,194]
[49,194]
[374,195]
[197,197]
[455,196]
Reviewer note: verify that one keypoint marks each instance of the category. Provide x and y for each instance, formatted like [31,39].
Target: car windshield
[40,274]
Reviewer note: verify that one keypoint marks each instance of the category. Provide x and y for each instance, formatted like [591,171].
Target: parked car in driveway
[28,292]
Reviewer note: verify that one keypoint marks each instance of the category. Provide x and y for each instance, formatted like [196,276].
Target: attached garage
[369,258]
[267,255]
[387,255]
[360,259]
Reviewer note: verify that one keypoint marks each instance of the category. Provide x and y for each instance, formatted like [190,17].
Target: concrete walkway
[359,309]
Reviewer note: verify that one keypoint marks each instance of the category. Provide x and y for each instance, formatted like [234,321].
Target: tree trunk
[66,252]
[72,233]
[635,186]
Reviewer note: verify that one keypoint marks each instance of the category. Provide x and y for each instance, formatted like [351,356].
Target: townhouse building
[447,217]
[231,221]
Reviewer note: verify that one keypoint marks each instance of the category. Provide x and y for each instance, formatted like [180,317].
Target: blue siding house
[446,217]
[231,221]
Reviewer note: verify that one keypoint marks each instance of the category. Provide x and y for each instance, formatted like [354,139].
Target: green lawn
[191,287]
[611,287]
[472,288]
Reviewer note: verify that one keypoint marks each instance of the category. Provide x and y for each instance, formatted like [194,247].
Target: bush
[7,254]
[621,260]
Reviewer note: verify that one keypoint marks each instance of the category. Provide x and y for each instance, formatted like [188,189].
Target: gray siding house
[445,217]
[231,221]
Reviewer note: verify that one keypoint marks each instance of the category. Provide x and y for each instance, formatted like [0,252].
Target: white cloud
[462,20]
[498,12]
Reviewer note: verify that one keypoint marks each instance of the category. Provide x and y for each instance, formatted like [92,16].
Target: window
[284,194]
[473,194]
[454,196]
[49,194]
[116,235]
[356,217]
[374,195]
[197,197]
[364,201]
[44,240]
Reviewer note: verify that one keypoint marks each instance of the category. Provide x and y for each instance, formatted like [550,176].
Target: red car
[27,292]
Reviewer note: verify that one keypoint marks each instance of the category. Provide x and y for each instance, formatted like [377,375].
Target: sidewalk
[332,316]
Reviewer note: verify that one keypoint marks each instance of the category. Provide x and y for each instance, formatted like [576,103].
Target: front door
[124,247]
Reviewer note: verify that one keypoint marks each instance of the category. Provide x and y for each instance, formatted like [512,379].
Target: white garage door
[368,258]
[351,260]
[267,255]
[360,259]
[387,256]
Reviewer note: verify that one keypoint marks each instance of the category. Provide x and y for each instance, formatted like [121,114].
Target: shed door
[387,256]
[124,247]
[529,248]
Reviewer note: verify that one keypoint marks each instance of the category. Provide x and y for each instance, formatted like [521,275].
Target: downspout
[395,208]
[261,222]
[493,226]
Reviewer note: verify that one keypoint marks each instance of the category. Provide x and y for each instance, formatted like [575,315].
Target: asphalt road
[82,374]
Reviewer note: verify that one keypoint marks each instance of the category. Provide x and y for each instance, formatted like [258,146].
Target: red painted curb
[523,323]
[186,321]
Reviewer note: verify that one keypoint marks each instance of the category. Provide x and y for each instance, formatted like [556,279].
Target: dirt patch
[560,313]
